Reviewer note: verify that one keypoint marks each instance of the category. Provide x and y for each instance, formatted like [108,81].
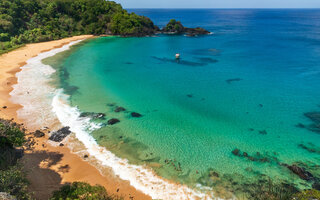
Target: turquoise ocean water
[246,86]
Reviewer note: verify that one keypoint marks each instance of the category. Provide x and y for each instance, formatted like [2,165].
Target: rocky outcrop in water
[93,115]
[175,27]
[192,32]
[59,135]
[113,121]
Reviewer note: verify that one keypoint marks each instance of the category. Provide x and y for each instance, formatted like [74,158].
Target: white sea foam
[33,91]
[43,104]
[140,177]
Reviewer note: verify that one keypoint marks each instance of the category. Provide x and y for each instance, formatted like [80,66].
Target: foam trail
[140,177]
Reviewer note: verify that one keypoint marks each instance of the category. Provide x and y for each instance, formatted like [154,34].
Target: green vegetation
[11,136]
[307,195]
[10,133]
[12,180]
[126,24]
[27,21]
[174,27]
[82,191]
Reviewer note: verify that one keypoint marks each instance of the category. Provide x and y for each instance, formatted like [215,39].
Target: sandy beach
[48,166]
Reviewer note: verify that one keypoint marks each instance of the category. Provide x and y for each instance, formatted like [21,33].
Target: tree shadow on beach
[43,180]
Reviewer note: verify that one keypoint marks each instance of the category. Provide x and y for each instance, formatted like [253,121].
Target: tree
[82,191]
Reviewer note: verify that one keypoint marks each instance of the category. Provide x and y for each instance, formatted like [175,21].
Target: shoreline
[52,165]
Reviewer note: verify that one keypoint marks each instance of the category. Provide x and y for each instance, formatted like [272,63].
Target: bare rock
[38,134]
[59,135]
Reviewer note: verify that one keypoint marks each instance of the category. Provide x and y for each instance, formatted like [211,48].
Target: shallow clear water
[246,86]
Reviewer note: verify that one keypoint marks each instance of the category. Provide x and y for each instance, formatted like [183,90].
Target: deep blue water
[246,86]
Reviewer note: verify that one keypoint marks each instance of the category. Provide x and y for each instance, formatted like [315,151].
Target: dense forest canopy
[25,21]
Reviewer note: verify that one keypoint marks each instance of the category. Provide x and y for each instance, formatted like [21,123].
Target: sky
[219,3]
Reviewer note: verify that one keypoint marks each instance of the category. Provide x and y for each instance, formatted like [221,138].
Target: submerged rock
[119,109]
[310,147]
[233,80]
[313,116]
[59,135]
[301,172]
[213,174]
[113,121]
[300,125]
[236,152]
[256,157]
[180,62]
[251,158]
[135,114]
[263,132]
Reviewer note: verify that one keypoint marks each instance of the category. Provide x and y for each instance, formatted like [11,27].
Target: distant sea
[239,104]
